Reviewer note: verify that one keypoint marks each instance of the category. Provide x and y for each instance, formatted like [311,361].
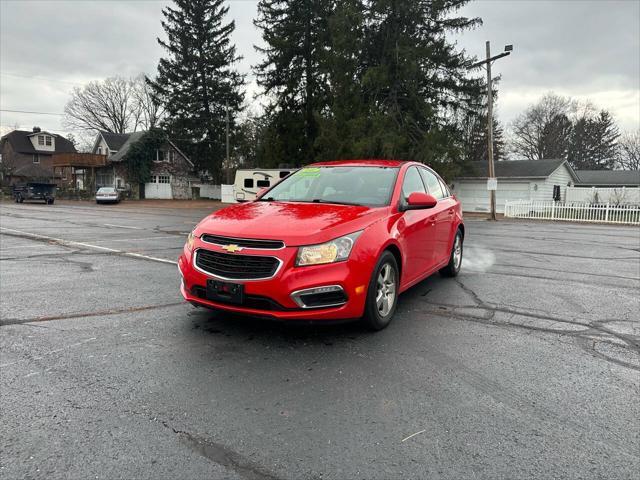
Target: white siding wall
[544,192]
[103,145]
[45,147]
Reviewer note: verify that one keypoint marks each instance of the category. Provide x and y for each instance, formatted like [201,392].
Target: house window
[248,183]
[47,140]
[262,183]
[36,158]
[99,150]
[162,155]
[40,140]
[164,179]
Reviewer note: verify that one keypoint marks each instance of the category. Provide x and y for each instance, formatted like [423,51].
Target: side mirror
[419,201]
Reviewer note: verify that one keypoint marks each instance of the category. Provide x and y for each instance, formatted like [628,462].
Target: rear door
[444,213]
[418,230]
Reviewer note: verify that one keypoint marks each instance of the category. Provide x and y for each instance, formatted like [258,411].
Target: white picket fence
[573,212]
[617,196]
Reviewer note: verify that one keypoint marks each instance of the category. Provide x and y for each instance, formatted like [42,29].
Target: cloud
[580,48]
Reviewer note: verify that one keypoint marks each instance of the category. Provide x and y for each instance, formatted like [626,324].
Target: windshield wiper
[266,199]
[320,200]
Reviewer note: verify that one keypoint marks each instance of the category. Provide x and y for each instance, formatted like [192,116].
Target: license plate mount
[227,292]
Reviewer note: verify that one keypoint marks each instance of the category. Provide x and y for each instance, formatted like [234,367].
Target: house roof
[131,138]
[20,142]
[609,177]
[114,140]
[515,169]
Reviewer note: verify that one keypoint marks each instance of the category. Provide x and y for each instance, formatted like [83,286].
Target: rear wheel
[455,259]
[382,295]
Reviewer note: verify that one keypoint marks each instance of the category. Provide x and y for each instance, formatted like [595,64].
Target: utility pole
[492,193]
[491,182]
[227,134]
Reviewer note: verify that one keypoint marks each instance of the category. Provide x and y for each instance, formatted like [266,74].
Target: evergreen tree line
[342,79]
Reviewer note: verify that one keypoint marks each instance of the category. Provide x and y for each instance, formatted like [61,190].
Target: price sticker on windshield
[310,172]
[492,183]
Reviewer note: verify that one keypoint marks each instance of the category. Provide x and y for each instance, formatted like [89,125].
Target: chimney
[36,130]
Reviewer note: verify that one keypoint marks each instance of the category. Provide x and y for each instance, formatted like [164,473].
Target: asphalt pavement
[527,365]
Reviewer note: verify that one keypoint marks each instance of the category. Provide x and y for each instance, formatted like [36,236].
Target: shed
[517,180]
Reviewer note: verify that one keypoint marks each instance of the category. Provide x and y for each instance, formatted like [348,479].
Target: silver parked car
[107,195]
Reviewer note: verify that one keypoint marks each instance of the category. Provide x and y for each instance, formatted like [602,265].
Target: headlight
[191,239]
[335,250]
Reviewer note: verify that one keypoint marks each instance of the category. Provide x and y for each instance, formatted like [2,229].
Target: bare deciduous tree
[629,151]
[115,105]
[541,131]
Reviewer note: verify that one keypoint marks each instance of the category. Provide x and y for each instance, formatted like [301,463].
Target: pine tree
[295,34]
[416,81]
[593,142]
[475,138]
[196,80]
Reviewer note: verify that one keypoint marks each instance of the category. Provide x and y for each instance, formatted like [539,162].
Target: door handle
[451,211]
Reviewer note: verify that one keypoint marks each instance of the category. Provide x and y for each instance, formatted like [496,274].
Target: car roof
[360,163]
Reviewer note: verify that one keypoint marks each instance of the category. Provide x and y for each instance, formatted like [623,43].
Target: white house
[517,180]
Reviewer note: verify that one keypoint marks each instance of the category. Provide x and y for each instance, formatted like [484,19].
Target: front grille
[236,267]
[243,242]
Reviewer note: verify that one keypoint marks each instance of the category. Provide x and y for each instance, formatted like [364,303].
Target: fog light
[320,297]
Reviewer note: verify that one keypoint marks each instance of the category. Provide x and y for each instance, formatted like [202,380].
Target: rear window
[106,190]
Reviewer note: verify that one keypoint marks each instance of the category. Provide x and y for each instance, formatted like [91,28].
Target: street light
[492,183]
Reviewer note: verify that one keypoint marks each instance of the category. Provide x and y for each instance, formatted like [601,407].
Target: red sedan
[334,240]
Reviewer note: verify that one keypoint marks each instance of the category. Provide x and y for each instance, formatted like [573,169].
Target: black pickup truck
[44,192]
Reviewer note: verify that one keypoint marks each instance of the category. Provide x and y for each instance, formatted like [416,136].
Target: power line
[26,111]
[32,77]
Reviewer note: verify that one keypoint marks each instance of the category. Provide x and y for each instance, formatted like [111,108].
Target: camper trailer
[249,182]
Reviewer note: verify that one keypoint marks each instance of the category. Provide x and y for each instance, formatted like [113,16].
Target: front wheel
[455,259]
[382,295]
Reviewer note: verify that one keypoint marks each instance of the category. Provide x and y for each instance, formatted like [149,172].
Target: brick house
[27,156]
[171,175]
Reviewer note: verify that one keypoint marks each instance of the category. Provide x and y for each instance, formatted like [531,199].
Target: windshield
[371,186]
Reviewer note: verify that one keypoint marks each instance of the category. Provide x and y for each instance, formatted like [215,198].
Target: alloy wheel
[386,290]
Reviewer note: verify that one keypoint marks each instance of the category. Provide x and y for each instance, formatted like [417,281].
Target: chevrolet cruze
[333,240]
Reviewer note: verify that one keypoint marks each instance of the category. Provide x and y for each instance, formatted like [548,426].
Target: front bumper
[273,297]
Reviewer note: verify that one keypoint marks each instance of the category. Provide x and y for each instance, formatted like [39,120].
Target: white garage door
[475,197]
[159,187]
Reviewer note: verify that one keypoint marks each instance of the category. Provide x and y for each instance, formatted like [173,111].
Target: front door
[418,230]
[444,213]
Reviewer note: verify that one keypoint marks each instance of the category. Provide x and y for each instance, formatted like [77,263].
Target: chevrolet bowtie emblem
[232,248]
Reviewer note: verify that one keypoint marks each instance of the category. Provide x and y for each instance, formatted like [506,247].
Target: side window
[248,183]
[412,183]
[445,188]
[262,183]
[433,184]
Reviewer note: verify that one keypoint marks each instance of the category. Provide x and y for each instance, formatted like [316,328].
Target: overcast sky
[580,48]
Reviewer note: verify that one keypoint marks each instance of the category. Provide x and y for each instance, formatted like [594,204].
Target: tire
[379,313]
[50,202]
[455,259]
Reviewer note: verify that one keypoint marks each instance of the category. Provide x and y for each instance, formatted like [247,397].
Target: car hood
[292,222]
